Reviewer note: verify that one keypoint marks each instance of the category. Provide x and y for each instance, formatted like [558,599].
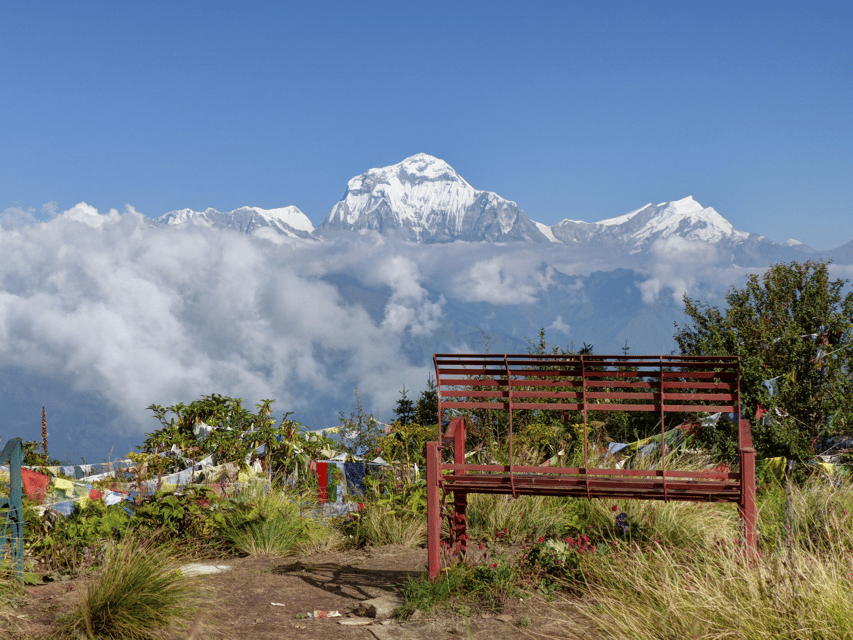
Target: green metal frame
[13,455]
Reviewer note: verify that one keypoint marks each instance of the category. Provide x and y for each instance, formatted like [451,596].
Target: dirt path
[247,590]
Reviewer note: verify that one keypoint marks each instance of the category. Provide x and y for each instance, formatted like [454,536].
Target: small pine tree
[427,409]
[404,412]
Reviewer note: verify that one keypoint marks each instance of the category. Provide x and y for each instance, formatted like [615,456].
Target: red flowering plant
[554,559]
[492,581]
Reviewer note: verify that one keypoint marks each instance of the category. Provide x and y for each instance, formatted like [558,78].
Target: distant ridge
[288,221]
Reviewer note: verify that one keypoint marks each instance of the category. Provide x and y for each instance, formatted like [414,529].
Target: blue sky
[579,110]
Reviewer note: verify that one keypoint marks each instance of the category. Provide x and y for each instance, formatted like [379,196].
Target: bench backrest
[585,383]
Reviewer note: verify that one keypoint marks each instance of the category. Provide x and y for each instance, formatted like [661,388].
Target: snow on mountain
[425,200]
[546,230]
[288,221]
[636,230]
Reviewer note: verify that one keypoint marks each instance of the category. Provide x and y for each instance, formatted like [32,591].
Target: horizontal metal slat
[475,405]
[474,394]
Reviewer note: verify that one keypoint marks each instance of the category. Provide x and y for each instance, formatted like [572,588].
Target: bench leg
[746,508]
[433,509]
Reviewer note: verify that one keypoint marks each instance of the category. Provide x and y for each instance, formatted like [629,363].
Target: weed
[10,592]
[423,594]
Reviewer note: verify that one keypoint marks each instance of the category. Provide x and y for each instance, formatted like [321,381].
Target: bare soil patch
[300,585]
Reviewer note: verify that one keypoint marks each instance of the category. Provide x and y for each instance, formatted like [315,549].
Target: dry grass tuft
[139,594]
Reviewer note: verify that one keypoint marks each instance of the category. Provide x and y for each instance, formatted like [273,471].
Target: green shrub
[70,544]
[489,585]
[559,558]
[193,518]
[380,523]
[277,522]
[139,594]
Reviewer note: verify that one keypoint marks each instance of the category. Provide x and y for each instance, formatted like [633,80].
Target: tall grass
[679,523]
[682,571]
[381,524]
[287,524]
[139,594]
[799,585]
[721,592]
[522,518]
[684,524]
[815,516]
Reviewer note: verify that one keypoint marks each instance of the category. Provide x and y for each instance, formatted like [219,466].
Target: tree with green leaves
[234,433]
[791,327]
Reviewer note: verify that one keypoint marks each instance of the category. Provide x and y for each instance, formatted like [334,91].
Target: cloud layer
[133,314]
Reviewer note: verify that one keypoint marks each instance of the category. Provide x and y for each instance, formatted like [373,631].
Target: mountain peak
[415,169]
[423,164]
[685,205]
[686,218]
[424,198]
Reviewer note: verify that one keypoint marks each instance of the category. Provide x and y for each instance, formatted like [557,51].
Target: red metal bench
[469,383]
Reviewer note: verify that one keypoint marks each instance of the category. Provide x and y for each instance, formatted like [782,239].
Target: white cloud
[14,217]
[650,289]
[502,280]
[142,315]
[17,217]
[559,325]
[135,314]
[680,265]
[89,215]
[842,271]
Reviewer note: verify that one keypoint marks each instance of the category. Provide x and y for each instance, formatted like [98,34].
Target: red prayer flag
[323,478]
[35,484]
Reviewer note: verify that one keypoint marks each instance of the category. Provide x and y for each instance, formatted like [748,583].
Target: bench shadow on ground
[346,580]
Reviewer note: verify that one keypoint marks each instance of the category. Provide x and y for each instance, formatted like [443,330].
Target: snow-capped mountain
[635,234]
[636,230]
[423,199]
[288,221]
